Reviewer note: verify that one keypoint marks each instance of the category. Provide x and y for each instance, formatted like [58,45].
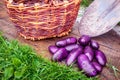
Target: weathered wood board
[110,43]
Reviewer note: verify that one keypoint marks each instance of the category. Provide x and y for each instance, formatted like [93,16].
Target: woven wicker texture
[40,19]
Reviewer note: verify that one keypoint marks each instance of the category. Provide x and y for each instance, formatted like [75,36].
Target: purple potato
[94,45]
[52,49]
[89,52]
[73,56]
[85,64]
[71,40]
[60,54]
[71,47]
[61,43]
[97,66]
[84,40]
[67,41]
[100,57]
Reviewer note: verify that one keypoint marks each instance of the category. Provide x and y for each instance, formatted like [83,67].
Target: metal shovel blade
[100,17]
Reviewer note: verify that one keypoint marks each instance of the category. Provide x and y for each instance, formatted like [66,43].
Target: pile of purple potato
[84,51]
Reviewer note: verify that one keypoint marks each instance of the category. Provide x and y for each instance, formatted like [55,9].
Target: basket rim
[40,6]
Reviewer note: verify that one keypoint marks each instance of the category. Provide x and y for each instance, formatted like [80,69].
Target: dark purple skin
[71,47]
[73,56]
[67,41]
[61,43]
[85,64]
[84,40]
[52,49]
[100,57]
[97,66]
[94,45]
[71,40]
[88,51]
[60,54]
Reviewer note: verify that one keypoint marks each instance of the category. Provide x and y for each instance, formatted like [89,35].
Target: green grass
[20,62]
[86,3]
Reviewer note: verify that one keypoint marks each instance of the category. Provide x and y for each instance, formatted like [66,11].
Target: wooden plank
[110,43]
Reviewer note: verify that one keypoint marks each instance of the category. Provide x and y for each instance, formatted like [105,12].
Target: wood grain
[110,43]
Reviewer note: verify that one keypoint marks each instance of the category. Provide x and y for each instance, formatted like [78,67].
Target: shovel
[100,17]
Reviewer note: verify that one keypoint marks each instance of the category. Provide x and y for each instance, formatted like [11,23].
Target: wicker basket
[40,19]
